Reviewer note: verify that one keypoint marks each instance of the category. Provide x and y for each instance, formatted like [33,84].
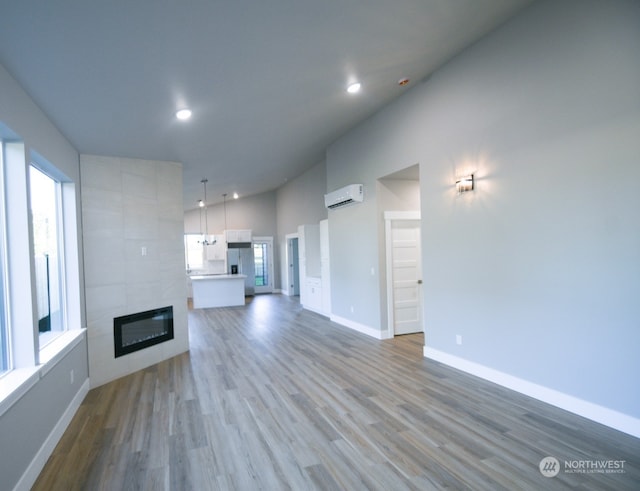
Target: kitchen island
[218,290]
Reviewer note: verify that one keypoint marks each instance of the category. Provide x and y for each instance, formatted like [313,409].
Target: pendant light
[224,201]
[203,204]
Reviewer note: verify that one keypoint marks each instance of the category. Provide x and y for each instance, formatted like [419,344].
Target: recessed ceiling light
[183,114]
[354,88]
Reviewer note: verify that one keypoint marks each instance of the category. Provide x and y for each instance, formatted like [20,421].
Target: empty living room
[361,245]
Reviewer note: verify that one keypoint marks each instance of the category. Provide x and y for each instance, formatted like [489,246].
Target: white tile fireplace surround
[133,256]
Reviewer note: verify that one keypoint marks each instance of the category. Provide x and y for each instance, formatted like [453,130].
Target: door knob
[419,282]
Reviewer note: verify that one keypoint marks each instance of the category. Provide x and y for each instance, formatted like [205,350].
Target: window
[193,252]
[40,296]
[47,240]
[4,332]
[4,341]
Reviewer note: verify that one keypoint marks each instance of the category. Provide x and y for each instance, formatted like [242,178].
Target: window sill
[17,382]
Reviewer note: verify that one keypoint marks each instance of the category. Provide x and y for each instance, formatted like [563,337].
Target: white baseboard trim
[311,309]
[589,410]
[369,331]
[37,464]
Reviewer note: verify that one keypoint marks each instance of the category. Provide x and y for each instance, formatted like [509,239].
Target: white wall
[539,268]
[129,204]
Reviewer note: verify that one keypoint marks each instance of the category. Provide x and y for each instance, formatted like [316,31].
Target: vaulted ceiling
[266,81]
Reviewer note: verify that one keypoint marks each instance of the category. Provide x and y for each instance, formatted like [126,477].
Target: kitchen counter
[216,276]
[217,290]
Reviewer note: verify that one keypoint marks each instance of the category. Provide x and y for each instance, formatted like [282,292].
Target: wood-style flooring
[273,397]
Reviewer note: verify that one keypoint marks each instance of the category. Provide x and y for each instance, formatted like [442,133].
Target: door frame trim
[389,218]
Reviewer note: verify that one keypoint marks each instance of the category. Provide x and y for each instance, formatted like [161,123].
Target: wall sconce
[465,183]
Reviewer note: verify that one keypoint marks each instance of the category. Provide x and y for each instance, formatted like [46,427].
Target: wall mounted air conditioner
[353,193]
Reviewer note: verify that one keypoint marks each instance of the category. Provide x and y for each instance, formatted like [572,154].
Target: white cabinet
[233,236]
[217,251]
[314,295]
[221,290]
[216,255]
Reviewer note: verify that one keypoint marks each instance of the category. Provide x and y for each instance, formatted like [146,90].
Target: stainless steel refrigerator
[242,259]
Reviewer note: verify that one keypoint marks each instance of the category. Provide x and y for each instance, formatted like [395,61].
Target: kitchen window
[194,252]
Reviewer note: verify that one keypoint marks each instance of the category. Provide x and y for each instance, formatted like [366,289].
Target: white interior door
[406,276]
[263,264]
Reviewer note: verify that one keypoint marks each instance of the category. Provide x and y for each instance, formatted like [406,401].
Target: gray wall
[300,202]
[33,417]
[392,195]
[398,195]
[539,268]
[256,213]
[275,213]
[25,427]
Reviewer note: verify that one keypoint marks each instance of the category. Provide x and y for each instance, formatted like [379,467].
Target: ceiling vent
[353,193]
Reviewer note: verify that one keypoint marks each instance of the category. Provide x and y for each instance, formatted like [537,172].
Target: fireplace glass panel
[141,330]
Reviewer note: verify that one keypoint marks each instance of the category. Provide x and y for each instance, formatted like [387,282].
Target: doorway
[263,264]
[293,266]
[404,273]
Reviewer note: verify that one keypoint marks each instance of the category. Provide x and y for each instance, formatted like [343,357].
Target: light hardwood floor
[273,397]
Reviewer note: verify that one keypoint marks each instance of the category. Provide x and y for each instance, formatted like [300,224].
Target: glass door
[263,264]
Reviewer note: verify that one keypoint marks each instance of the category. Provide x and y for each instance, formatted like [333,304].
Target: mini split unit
[353,193]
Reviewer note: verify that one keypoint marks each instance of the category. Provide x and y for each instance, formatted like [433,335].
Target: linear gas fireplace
[138,331]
